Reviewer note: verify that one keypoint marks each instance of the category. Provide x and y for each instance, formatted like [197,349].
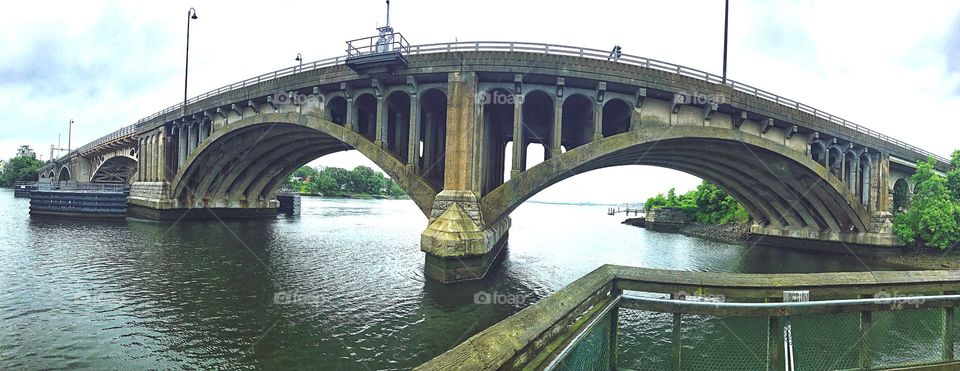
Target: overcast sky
[891,66]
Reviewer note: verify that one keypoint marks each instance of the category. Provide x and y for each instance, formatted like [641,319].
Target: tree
[707,204]
[394,190]
[25,151]
[327,185]
[932,219]
[655,202]
[334,181]
[953,176]
[365,180]
[23,167]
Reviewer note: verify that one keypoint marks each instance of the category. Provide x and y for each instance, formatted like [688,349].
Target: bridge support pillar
[457,245]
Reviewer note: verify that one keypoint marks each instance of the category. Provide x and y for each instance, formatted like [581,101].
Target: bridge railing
[122,133]
[859,319]
[557,50]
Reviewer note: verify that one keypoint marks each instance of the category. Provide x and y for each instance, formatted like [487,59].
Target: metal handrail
[789,308]
[564,50]
[370,45]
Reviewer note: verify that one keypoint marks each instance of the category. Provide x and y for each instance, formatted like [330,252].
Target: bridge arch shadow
[778,186]
[243,164]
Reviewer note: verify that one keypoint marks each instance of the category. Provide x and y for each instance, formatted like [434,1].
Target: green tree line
[932,215]
[362,182]
[708,204]
[22,167]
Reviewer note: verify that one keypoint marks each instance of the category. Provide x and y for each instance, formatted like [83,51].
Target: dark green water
[338,287]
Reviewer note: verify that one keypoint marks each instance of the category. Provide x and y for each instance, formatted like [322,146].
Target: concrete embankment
[672,220]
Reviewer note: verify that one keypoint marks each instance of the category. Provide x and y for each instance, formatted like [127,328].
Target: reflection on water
[340,285]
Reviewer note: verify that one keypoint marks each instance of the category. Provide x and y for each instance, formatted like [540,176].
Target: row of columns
[151,164]
[553,148]
[428,127]
[163,150]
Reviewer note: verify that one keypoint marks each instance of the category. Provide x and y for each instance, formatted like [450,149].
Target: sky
[891,66]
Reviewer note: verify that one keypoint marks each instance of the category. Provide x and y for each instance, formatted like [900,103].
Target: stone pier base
[883,238]
[140,212]
[150,200]
[457,246]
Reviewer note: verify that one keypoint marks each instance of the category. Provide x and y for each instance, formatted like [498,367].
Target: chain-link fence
[592,352]
[825,335]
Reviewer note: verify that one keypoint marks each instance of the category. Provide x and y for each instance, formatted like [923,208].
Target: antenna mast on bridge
[378,54]
[386,34]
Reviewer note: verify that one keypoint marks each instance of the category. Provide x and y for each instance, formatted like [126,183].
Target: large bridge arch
[116,169]
[64,174]
[242,165]
[779,186]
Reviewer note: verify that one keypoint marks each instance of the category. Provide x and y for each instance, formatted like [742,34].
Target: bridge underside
[786,193]
[237,172]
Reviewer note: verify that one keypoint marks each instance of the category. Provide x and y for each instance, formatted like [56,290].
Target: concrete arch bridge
[440,125]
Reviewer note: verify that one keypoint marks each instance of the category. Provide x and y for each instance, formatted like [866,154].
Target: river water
[339,286]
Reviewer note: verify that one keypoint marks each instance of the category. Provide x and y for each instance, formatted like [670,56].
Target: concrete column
[181,146]
[458,243]
[203,133]
[413,141]
[517,138]
[881,182]
[852,173]
[141,159]
[149,159]
[380,121]
[191,138]
[598,121]
[350,121]
[556,132]
[196,134]
[162,155]
[157,156]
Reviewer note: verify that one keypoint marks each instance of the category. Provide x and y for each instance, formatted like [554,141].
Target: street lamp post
[299,59]
[726,22]
[191,14]
[70,136]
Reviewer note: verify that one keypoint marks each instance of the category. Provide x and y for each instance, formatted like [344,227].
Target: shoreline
[734,233]
[355,197]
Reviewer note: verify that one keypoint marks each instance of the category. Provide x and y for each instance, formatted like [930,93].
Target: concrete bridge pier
[458,243]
